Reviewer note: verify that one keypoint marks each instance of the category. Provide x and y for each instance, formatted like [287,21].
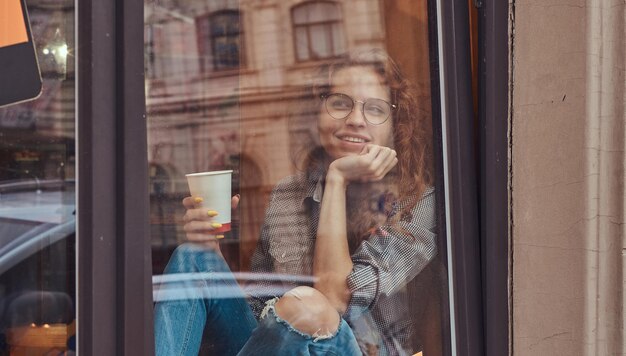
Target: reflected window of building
[169,56]
[318,30]
[220,37]
[150,33]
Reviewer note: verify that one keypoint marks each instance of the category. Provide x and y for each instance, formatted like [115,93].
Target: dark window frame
[478,199]
[114,257]
[493,115]
[462,199]
[327,25]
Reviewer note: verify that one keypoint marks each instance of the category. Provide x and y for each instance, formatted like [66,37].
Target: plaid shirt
[383,264]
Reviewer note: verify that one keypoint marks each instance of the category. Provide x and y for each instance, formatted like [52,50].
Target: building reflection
[222,78]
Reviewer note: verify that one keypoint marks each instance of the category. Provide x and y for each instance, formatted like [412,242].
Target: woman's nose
[357,116]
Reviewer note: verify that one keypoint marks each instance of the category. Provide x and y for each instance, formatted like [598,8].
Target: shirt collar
[315,185]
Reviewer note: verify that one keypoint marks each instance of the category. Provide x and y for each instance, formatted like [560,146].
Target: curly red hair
[412,126]
[367,206]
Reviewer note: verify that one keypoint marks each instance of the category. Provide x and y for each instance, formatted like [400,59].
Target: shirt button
[283,255]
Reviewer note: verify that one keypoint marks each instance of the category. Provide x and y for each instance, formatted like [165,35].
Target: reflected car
[37,266]
[38,269]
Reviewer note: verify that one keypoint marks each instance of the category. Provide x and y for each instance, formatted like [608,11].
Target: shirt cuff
[363,285]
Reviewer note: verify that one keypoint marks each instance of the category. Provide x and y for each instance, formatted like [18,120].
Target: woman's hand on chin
[199,222]
[372,164]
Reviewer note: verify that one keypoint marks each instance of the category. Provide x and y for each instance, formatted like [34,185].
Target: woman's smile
[352,139]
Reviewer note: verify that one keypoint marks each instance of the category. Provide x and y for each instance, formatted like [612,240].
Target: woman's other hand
[199,220]
[372,164]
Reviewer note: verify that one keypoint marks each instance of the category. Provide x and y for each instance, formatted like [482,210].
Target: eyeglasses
[375,111]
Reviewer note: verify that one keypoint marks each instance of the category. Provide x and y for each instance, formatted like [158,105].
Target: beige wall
[567,120]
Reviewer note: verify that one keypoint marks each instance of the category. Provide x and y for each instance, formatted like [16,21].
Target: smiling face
[348,136]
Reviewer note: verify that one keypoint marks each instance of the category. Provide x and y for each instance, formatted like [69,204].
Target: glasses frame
[325,96]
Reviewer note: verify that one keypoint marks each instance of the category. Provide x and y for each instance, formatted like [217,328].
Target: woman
[360,219]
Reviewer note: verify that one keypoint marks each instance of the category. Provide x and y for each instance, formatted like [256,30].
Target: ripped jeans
[205,298]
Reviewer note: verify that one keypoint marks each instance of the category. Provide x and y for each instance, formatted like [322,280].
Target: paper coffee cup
[215,190]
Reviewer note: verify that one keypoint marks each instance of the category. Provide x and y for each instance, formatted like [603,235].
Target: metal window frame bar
[114,259]
[493,117]
[452,94]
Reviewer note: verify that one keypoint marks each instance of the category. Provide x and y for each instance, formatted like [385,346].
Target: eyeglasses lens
[339,106]
[376,111]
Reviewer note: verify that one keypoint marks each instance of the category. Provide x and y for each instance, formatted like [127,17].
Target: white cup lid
[213,173]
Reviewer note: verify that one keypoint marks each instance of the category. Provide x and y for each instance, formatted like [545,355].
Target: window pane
[316,12]
[224,24]
[302,43]
[306,218]
[37,198]
[320,41]
[226,51]
[338,39]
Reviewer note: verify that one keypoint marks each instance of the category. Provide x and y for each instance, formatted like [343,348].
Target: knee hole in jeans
[308,311]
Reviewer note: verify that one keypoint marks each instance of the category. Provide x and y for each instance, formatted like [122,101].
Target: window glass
[37,198]
[300,190]
[336,31]
[166,57]
[302,40]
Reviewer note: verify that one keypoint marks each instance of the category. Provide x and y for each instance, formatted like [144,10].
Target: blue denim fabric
[216,306]
[202,306]
[275,337]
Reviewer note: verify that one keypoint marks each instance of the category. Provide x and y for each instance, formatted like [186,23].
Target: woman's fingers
[373,163]
[372,151]
[196,202]
[381,164]
[391,162]
[201,214]
[201,226]
[192,202]
[234,201]
[197,237]
[202,231]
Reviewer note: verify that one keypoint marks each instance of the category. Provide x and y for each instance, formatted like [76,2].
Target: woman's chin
[350,148]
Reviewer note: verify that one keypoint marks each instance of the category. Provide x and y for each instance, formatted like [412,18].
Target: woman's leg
[200,295]
[302,322]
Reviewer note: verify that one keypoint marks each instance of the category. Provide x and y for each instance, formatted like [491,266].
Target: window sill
[315,63]
[224,74]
